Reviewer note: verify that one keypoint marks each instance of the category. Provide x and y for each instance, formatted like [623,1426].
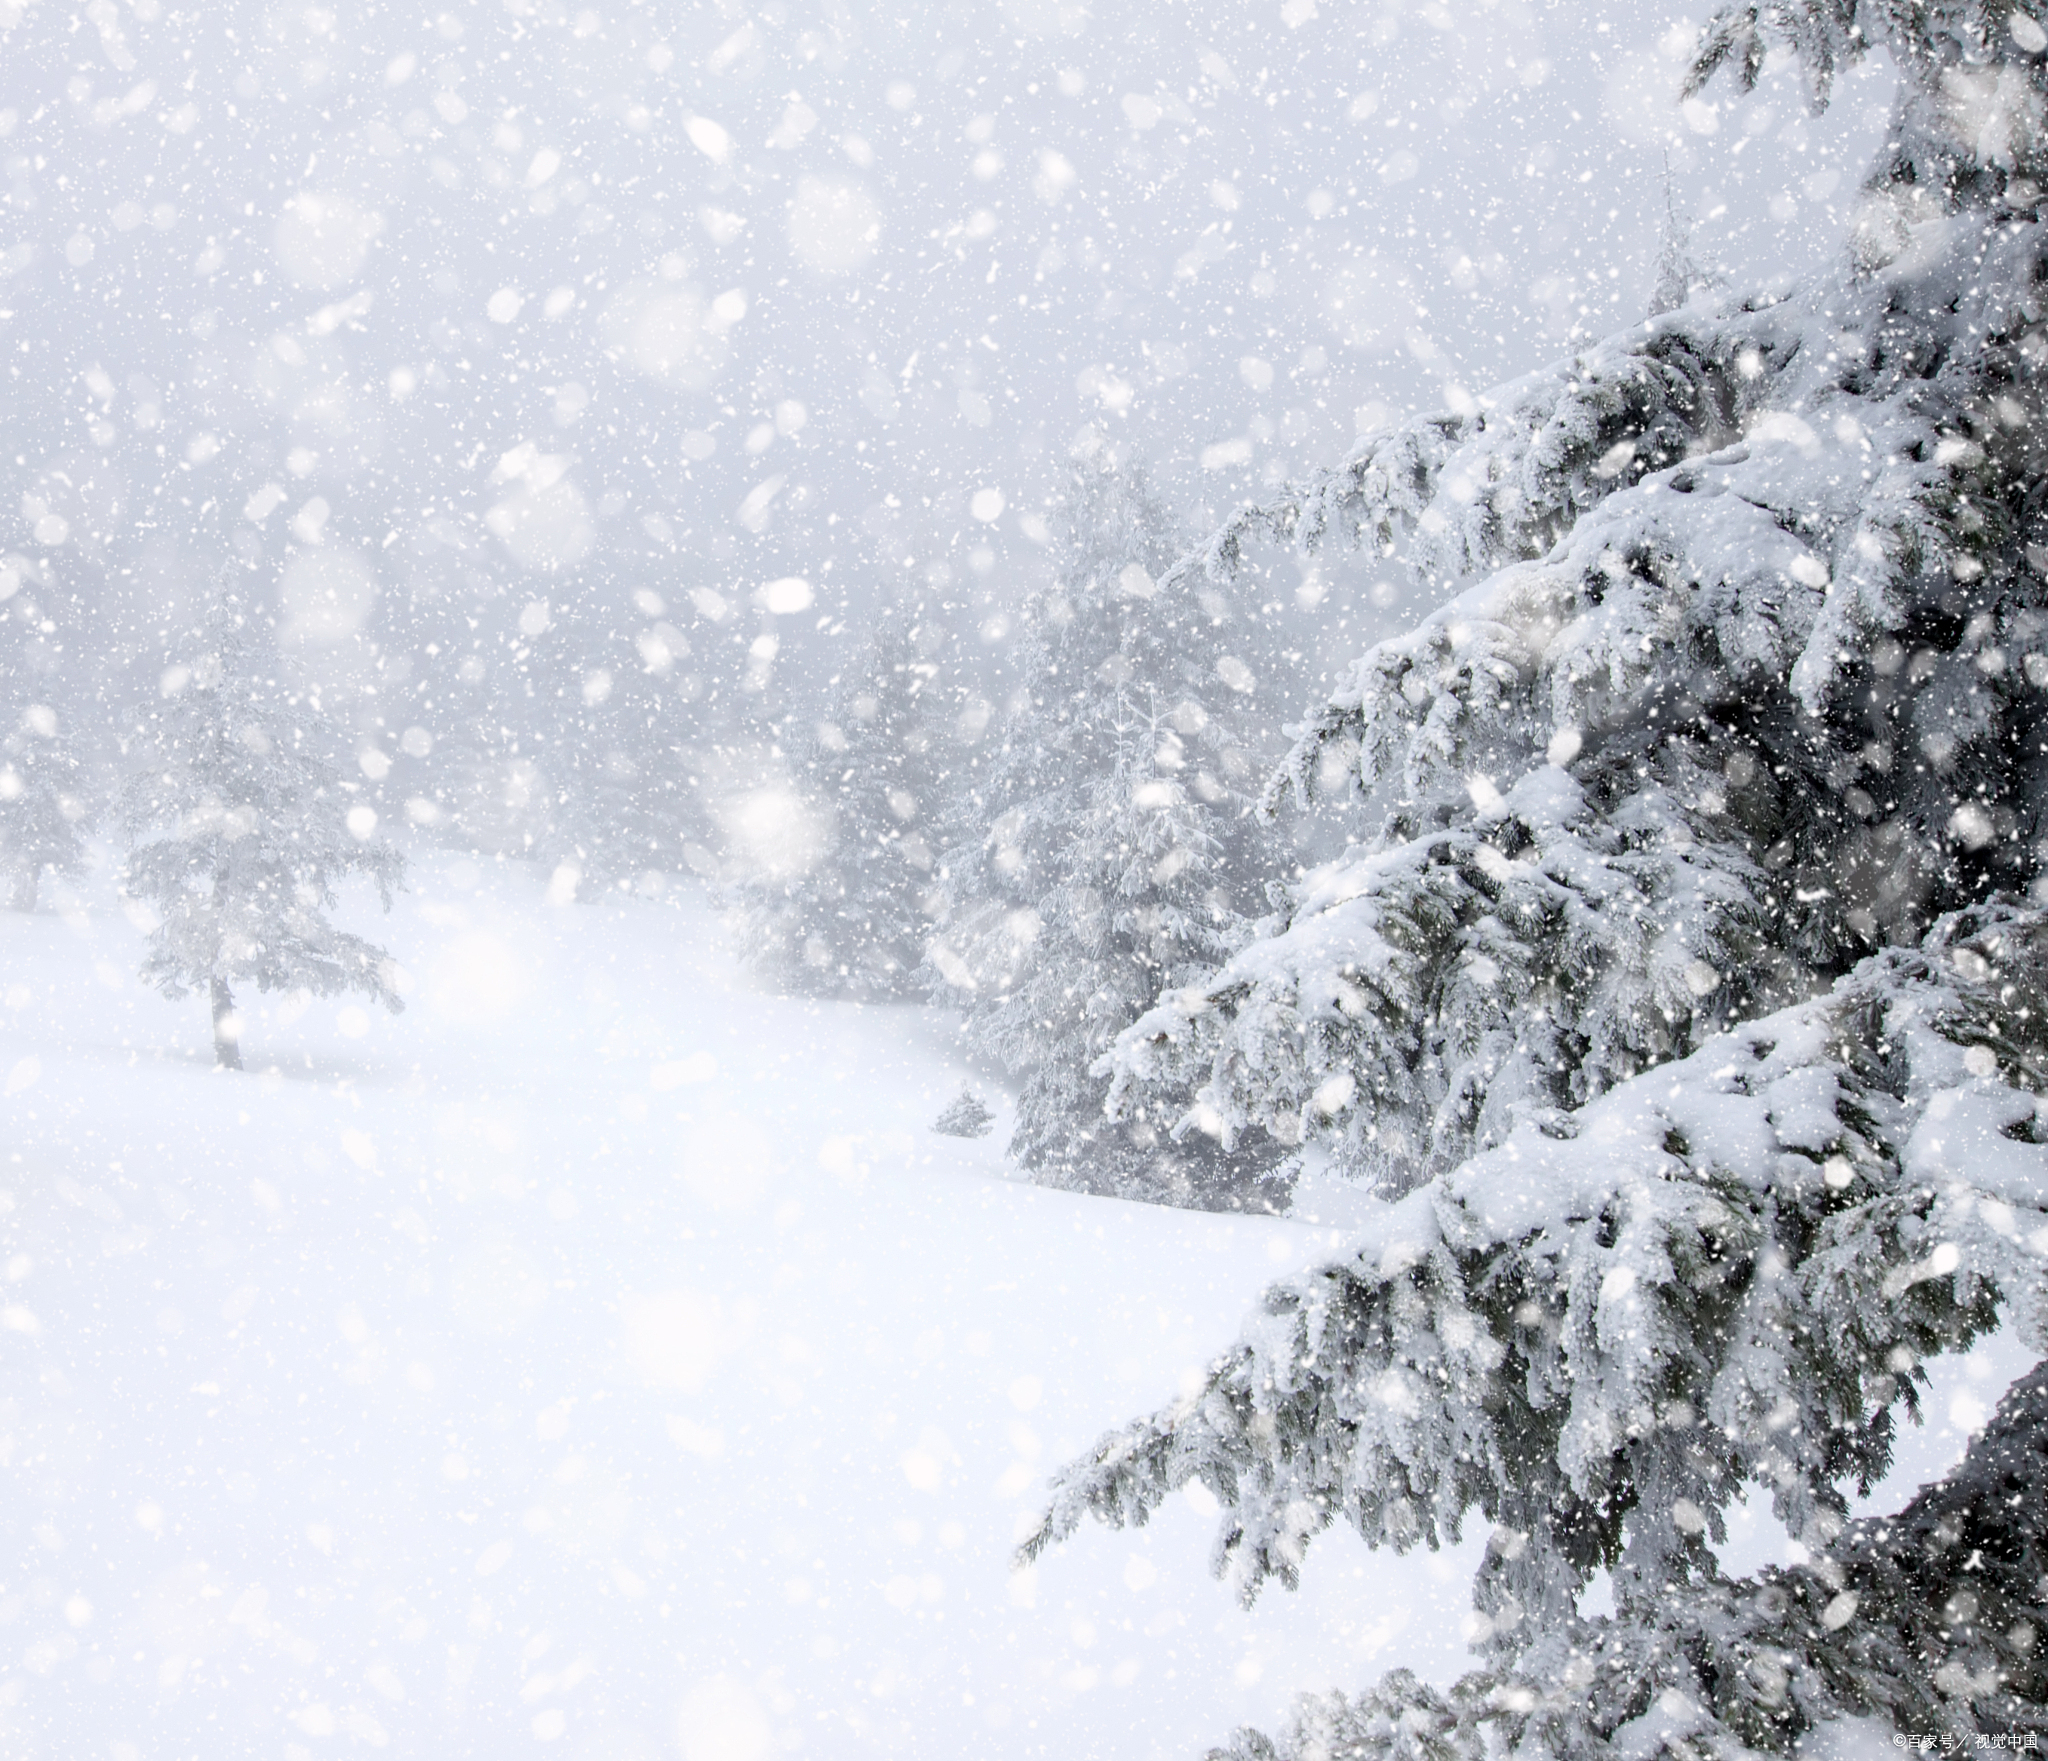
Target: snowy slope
[600,1353]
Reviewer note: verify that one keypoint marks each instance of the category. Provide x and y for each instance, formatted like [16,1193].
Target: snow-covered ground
[600,1354]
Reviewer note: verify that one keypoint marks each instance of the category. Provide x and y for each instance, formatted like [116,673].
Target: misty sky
[521,299]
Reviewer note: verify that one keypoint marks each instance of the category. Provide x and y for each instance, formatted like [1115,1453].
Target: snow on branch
[1724,1272]
[1502,482]
[1966,129]
[1925,1618]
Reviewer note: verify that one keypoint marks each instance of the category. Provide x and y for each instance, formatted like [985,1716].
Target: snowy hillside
[602,1351]
[598,1351]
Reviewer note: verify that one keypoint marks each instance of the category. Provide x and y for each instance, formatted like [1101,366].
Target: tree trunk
[22,895]
[227,1051]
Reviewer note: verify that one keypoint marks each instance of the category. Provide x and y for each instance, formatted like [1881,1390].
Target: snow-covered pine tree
[854,922]
[45,809]
[1677,999]
[239,827]
[965,1115]
[1680,274]
[45,801]
[1093,866]
[620,797]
